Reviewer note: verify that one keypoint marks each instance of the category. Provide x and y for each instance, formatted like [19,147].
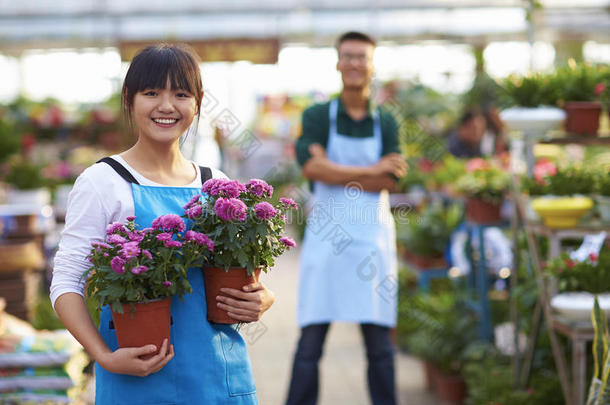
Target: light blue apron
[348,263]
[211,364]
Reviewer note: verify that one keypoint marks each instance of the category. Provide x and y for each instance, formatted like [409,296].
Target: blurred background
[62,63]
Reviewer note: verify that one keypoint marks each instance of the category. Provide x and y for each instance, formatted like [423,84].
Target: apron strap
[206,174]
[120,169]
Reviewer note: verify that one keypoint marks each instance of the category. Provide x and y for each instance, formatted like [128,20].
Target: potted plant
[28,185]
[483,185]
[424,237]
[577,93]
[599,393]
[565,201]
[603,196]
[578,281]
[531,100]
[137,272]
[246,228]
[442,330]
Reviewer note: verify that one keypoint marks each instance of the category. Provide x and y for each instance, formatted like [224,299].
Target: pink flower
[289,242]
[194,211]
[570,263]
[259,187]
[229,209]
[599,89]
[147,254]
[200,239]
[192,201]
[118,265]
[135,236]
[139,270]
[593,257]
[289,202]
[170,222]
[544,168]
[131,218]
[173,243]
[99,245]
[264,210]
[164,237]
[130,249]
[114,228]
[167,284]
[116,239]
[476,164]
[223,187]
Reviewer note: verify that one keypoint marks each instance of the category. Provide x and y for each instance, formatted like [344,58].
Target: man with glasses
[349,151]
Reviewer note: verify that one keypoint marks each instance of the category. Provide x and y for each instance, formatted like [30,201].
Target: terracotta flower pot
[582,117]
[451,388]
[482,211]
[143,323]
[216,278]
[430,374]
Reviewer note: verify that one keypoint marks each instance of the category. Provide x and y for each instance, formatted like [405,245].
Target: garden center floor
[343,367]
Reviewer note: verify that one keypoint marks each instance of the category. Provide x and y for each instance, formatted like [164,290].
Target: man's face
[355,63]
[472,131]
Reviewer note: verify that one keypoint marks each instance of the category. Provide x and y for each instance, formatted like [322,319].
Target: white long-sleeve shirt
[99,197]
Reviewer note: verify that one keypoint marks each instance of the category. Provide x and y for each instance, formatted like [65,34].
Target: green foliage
[9,140]
[577,81]
[251,241]
[567,181]
[154,267]
[45,317]
[489,377]
[591,275]
[24,175]
[602,185]
[599,390]
[483,179]
[443,328]
[530,91]
[428,234]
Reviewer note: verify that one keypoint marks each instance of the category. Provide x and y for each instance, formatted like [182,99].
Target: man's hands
[247,305]
[393,164]
[128,361]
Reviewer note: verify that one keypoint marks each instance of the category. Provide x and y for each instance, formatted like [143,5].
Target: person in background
[465,141]
[349,151]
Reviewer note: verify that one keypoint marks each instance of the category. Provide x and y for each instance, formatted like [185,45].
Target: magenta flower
[229,209]
[118,265]
[116,239]
[99,245]
[170,222]
[130,249]
[224,187]
[114,228]
[192,201]
[209,185]
[147,254]
[200,239]
[289,202]
[135,236]
[164,237]
[194,211]
[259,187]
[131,218]
[139,270]
[167,284]
[173,243]
[289,242]
[264,210]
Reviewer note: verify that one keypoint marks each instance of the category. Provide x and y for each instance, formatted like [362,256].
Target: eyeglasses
[358,58]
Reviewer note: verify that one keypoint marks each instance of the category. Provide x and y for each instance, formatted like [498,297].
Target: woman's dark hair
[154,65]
[470,114]
[355,36]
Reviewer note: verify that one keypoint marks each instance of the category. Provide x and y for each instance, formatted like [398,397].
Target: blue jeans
[380,373]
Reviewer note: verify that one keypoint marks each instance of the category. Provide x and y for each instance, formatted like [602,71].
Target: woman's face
[163,114]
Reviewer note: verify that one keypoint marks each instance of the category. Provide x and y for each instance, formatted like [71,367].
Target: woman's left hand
[247,305]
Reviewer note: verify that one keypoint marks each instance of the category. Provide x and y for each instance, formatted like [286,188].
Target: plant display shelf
[578,332]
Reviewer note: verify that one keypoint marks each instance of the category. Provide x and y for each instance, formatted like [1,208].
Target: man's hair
[355,36]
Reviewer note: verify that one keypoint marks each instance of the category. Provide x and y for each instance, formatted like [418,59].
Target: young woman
[161,96]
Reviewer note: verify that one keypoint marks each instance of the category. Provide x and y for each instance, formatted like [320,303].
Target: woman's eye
[150,93]
[183,94]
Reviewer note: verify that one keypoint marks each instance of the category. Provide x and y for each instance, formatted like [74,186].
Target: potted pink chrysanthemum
[137,272]
[246,227]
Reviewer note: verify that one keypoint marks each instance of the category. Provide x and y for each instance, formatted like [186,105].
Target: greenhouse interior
[489,277]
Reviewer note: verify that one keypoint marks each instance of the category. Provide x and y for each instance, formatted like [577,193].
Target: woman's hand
[128,361]
[247,305]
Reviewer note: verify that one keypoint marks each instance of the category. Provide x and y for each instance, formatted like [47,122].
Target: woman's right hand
[128,361]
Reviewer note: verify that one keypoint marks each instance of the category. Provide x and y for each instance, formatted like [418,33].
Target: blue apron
[211,364]
[348,269]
